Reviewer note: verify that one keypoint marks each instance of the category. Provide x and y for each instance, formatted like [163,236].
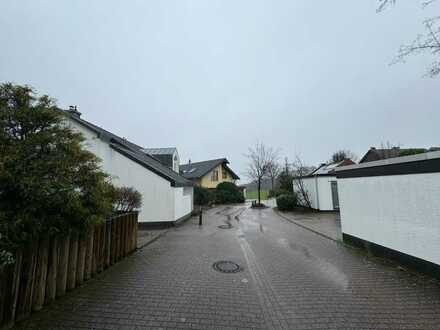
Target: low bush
[286,202]
[202,196]
[228,192]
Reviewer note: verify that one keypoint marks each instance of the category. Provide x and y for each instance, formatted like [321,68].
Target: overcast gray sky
[214,77]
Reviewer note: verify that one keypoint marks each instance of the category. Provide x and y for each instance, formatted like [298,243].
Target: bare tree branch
[258,166]
[300,171]
[274,167]
[428,42]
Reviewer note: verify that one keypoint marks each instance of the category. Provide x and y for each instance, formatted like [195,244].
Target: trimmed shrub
[228,192]
[202,196]
[286,202]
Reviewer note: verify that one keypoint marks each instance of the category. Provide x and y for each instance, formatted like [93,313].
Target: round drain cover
[225,226]
[226,267]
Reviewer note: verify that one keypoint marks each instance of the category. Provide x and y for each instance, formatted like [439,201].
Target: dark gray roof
[160,151]
[374,154]
[133,152]
[199,169]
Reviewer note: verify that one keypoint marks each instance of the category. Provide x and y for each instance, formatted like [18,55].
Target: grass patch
[254,194]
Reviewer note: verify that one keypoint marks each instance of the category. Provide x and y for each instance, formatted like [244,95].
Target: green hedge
[286,202]
[225,193]
[228,192]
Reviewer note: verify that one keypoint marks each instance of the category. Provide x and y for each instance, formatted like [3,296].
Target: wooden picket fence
[48,268]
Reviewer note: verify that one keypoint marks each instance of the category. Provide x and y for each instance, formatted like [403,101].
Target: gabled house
[322,187]
[209,173]
[166,195]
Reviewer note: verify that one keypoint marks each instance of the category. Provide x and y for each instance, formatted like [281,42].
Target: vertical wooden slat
[41,275]
[63,264]
[100,264]
[118,238]
[103,244]
[73,261]
[133,238]
[89,254]
[52,270]
[95,248]
[113,242]
[3,292]
[124,232]
[6,276]
[16,284]
[127,233]
[130,232]
[129,236]
[136,228]
[26,290]
[80,269]
[108,236]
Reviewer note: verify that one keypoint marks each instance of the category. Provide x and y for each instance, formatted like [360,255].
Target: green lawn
[254,194]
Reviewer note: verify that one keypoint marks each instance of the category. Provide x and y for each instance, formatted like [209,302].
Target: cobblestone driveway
[291,279]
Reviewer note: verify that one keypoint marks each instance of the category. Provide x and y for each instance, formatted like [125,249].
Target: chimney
[73,110]
[373,148]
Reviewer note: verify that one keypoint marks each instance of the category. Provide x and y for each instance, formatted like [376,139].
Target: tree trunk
[259,191]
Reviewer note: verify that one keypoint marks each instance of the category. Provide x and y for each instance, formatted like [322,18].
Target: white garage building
[322,187]
[393,206]
[166,195]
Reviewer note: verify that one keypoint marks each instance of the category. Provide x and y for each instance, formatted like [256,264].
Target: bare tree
[341,155]
[428,42]
[257,169]
[300,170]
[274,168]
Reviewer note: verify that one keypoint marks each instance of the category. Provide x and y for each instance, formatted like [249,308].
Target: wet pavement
[290,278]
[327,224]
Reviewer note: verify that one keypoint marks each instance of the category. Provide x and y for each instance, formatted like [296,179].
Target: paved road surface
[291,279]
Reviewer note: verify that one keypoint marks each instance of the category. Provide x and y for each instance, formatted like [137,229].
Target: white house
[166,195]
[322,187]
[393,205]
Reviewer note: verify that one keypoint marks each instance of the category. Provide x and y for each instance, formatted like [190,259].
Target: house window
[214,175]
[224,174]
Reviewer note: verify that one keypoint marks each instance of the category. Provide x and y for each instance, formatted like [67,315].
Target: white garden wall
[183,197]
[400,212]
[320,193]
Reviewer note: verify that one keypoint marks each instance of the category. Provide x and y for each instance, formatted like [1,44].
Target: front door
[335,196]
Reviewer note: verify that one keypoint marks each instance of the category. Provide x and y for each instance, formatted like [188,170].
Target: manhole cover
[226,267]
[225,226]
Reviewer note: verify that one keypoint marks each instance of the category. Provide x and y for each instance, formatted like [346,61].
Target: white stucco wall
[400,212]
[183,201]
[320,192]
[161,201]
